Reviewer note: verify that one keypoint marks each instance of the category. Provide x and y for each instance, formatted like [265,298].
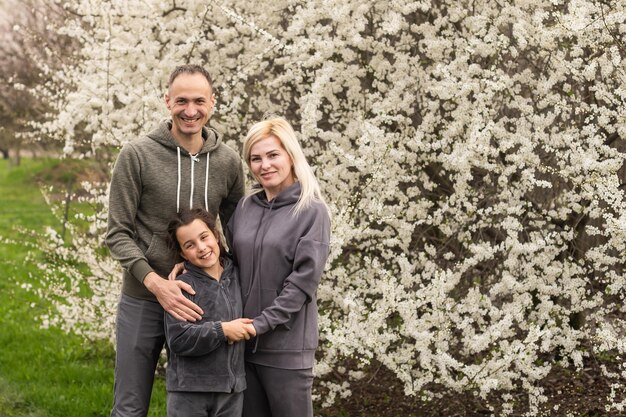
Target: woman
[280,236]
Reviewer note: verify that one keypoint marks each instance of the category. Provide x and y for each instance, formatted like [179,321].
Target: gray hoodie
[153,178]
[201,359]
[281,258]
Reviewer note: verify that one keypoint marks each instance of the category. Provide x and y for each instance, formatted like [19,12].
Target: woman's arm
[300,286]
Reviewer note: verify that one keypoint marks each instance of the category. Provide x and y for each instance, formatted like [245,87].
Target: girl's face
[271,165]
[200,247]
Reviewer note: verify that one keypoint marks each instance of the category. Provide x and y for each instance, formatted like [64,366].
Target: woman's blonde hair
[282,130]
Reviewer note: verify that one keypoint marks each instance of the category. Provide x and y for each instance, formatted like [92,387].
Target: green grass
[43,372]
[13,405]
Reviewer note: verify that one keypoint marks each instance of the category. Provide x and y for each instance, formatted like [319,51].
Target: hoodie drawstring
[178,185]
[194,158]
[206,183]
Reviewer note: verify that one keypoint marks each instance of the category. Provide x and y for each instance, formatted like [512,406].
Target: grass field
[43,372]
[48,373]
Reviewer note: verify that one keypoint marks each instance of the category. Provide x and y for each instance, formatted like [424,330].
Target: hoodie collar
[199,273]
[163,135]
[288,196]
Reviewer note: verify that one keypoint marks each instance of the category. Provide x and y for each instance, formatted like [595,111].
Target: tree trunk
[18,156]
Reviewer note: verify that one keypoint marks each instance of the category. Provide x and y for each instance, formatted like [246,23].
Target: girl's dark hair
[185,217]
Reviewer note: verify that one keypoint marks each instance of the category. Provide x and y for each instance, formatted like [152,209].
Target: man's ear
[167,100]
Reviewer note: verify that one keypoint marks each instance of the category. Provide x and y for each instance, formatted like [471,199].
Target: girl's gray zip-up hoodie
[201,359]
[281,258]
[153,178]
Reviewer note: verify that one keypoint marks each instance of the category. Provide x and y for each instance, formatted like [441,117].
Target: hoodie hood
[288,196]
[227,264]
[163,135]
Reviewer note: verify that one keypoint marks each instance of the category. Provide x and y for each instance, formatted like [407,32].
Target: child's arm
[191,339]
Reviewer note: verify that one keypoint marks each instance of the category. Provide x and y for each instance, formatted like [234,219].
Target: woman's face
[271,166]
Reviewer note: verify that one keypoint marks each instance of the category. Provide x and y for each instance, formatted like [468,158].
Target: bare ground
[569,393]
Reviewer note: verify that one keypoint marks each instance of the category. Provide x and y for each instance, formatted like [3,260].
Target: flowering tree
[471,152]
[30,50]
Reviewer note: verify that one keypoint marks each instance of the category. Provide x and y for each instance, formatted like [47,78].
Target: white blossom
[469,152]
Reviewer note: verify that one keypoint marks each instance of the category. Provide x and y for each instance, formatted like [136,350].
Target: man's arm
[124,197]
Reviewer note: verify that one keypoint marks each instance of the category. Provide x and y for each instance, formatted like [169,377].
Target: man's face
[190,101]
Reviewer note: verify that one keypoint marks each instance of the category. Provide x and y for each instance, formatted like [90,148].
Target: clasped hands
[238,330]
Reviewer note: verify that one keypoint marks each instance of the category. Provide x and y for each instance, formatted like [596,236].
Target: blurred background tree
[31,50]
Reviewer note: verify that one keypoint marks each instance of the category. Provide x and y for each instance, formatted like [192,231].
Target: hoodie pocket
[158,255]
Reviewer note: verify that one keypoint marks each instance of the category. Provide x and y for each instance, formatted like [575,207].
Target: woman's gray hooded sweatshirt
[281,258]
[155,177]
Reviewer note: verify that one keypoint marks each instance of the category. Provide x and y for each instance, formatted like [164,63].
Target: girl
[205,373]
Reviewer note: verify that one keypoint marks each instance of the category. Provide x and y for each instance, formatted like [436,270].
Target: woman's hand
[251,330]
[178,269]
[238,330]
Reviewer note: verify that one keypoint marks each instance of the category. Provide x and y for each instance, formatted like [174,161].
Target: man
[181,163]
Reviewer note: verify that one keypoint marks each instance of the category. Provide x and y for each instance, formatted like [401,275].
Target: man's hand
[238,330]
[178,269]
[169,295]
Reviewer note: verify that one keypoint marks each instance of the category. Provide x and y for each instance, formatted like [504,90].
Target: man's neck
[192,144]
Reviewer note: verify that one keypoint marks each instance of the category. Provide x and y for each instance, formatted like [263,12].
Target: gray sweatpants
[204,404]
[140,339]
[275,392]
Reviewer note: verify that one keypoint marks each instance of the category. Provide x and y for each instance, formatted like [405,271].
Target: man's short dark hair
[189,69]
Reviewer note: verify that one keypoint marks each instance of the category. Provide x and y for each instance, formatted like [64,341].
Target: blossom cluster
[472,153]
[78,279]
